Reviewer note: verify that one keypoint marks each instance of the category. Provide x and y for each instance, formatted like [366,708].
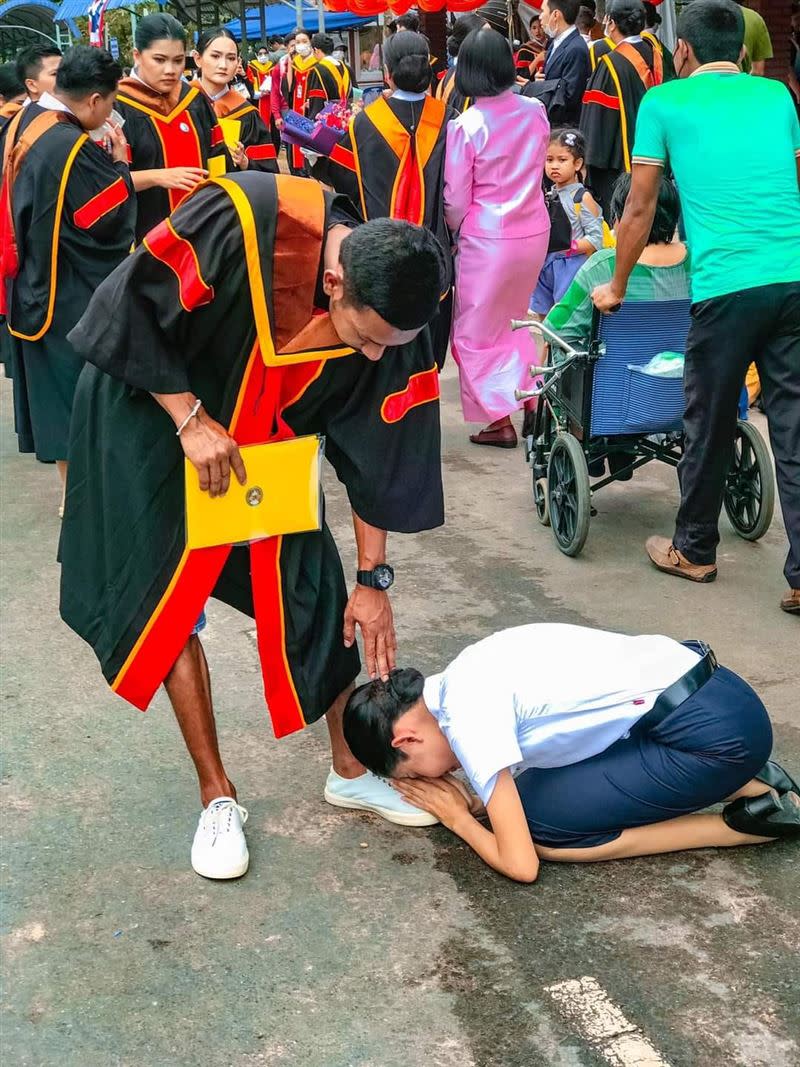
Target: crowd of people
[182,294]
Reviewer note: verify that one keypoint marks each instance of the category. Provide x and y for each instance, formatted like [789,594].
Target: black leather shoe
[773,775]
[768,816]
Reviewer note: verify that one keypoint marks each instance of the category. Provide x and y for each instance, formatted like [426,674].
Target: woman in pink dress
[494,204]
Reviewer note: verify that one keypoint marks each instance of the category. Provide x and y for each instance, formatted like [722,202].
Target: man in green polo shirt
[740,196]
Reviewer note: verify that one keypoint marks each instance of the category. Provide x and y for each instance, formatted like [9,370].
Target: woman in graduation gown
[294,88]
[246,134]
[174,138]
[391,161]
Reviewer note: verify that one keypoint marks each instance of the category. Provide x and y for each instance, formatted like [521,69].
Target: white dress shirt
[548,695]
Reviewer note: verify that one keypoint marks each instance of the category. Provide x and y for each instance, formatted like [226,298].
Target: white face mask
[549,30]
[338,54]
[303,50]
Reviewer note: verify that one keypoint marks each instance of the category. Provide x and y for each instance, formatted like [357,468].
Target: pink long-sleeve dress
[494,203]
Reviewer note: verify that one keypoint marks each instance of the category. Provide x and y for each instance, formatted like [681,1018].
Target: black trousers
[727,333]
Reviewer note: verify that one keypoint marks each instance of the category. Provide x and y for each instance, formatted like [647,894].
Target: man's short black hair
[629,16]
[409,21]
[159,27]
[485,64]
[396,269]
[29,60]
[462,28]
[11,84]
[85,70]
[277,40]
[714,29]
[370,715]
[568,8]
[668,206]
[323,42]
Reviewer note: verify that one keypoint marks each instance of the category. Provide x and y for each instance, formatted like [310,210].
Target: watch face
[382,576]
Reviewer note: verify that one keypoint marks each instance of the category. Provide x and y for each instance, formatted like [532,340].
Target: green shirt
[571,318]
[756,39]
[732,142]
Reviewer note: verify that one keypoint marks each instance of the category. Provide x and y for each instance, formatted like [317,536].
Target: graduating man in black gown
[259,311]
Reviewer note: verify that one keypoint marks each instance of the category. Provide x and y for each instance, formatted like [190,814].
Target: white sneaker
[368,792]
[219,849]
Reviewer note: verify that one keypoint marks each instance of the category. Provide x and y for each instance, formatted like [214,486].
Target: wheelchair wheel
[568,494]
[540,501]
[750,487]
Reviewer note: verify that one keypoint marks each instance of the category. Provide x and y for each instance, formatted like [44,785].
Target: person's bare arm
[168,178]
[633,232]
[507,847]
[758,67]
[371,608]
[207,445]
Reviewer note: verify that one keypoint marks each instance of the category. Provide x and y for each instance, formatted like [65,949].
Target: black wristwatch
[381,577]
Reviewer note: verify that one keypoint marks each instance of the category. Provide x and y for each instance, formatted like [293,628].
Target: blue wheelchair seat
[625,400]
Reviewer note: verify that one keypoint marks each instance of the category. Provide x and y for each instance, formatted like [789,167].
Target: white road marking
[585,1004]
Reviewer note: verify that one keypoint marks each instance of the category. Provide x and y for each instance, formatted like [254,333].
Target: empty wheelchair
[601,416]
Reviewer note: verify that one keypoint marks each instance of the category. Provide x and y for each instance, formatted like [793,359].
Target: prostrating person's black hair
[668,207]
[485,64]
[323,42]
[714,29]
[11,84]
[370,715]
[207,37]
[395,268]
[158,27]
[568,8]
[407,57]
[85,70]
[629,16]
[29,60]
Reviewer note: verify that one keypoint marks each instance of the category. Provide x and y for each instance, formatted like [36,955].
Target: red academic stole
[300,69]
[282,365]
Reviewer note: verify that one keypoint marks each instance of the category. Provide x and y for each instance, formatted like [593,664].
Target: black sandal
[767,816]
[773,775]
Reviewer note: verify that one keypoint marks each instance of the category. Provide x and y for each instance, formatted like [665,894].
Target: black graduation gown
[328,81]
[187,312]
[160,136]
[388,171]
[446,92]
[610,105]
[73,211]
[254,134]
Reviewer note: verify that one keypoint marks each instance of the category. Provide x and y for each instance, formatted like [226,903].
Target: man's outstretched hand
[606,298]
[371,609]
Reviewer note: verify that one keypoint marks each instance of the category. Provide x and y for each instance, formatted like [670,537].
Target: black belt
[682,689]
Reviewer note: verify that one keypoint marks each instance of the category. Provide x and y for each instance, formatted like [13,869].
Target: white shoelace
[217,811]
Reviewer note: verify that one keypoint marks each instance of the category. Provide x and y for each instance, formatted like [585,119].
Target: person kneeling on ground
[615,758]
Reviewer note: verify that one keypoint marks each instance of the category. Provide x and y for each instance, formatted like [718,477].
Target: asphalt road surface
[351,942]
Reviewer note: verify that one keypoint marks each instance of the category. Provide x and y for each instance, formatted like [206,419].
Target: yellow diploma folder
[282,495]
[231,131]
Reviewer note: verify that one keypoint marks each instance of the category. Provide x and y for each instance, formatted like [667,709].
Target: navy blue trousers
[703,751]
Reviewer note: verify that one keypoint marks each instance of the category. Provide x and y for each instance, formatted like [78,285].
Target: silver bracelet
[197,405]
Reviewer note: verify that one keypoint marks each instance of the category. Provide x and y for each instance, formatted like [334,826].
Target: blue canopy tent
[280,19]
[24,22]
[70,9]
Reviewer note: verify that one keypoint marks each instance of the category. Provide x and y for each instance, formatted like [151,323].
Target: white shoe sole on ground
[219,849]
[370,793]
